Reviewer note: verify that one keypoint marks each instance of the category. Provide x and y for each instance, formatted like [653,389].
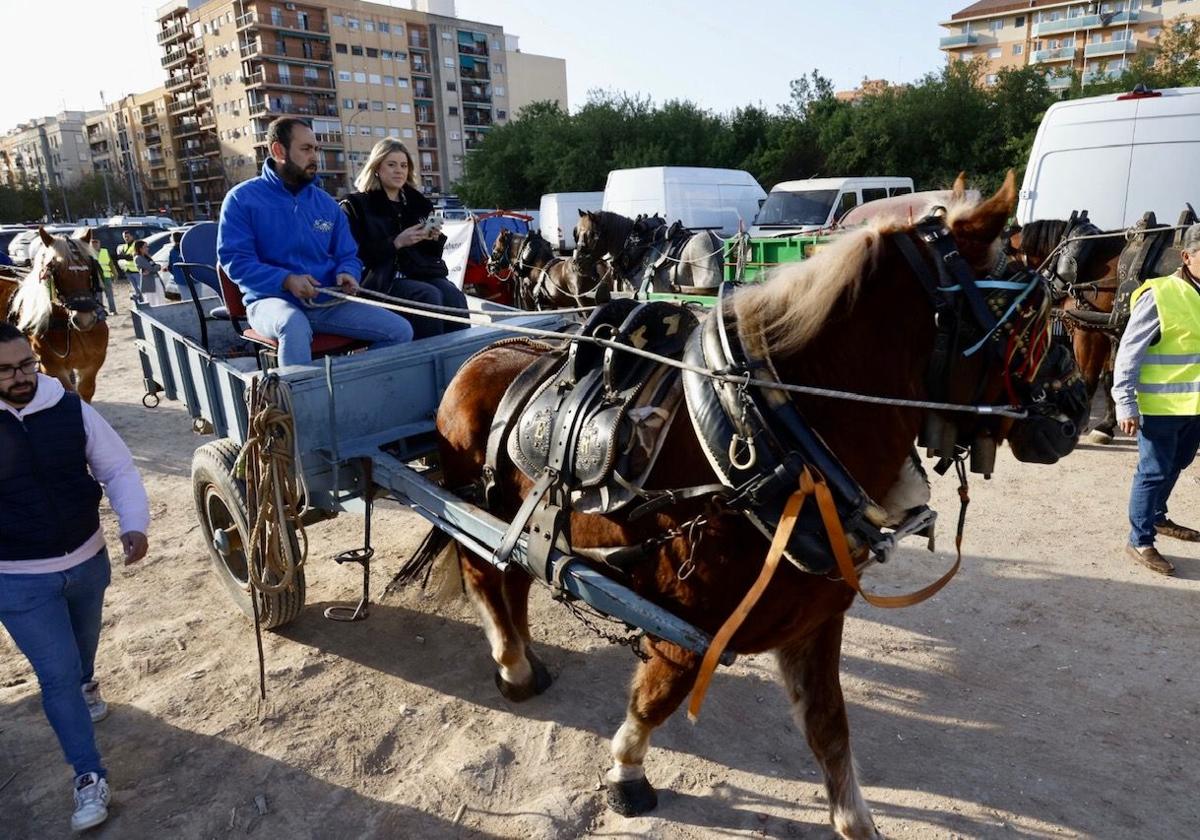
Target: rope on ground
[404,306]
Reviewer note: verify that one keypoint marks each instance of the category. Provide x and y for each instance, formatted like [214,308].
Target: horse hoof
[632,798]
[1100,437]
[520,693]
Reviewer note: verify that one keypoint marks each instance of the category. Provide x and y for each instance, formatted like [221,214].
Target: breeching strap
[810,486]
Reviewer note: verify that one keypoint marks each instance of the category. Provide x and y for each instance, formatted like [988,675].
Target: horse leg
[516,676]
[809,668]
[515,585]
[659,686]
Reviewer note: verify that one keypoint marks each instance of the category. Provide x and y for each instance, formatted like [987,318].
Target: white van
[815,204]
[559,212]
[1116,156]
[702,198]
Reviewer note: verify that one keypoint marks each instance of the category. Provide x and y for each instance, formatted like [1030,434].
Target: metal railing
[174,57]
[1110,48]
[963,39]
[290,22]
[1059,54]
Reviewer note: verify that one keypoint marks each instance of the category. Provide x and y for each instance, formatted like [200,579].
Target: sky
[57,54]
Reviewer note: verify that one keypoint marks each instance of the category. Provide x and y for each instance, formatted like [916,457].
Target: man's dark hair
[137,245]
[176,236]
[281,130]
[9,332]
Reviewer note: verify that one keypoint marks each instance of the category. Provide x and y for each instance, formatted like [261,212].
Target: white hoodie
[110,463]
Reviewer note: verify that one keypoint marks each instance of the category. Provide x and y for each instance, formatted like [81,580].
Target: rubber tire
[213,480]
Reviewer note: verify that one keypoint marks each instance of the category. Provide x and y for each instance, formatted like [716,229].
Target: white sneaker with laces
[91,802]
[97,708]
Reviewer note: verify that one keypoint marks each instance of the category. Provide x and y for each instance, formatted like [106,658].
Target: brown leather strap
[791,510]
[841,552]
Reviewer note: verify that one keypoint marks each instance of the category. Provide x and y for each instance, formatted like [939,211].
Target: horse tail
[436,554]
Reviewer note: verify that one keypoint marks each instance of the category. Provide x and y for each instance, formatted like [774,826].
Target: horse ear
[47,238]
[983,223]
[959,189]
[582,212]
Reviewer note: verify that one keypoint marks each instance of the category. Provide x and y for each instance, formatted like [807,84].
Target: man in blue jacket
[281,237]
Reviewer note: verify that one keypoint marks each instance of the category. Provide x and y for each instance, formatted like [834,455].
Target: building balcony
[287,23]
[963,39]
[477,120]
[159,184]
[181,106]
[1110,48]
[174,58]
[330,138]
[420,68]
[426,140]
[153,139]
[172,32]
[263,78]
[1122,18]
[292,52]
[1058,82]
[425,117]
[422,92]
[149,119]
[478,73]
[473,48]
[417,40]
[1047,56]
[203,94]
[186,129]
[1093,77]
[292,109]
[178,81]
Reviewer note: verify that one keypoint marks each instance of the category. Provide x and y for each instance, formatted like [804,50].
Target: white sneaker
[95,703]
[91,802]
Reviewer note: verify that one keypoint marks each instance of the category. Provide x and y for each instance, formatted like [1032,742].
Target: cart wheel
[221,507]
[150,400]
[201,426]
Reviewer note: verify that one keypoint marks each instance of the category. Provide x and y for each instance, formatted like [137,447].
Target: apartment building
[1096,39]
[533,78]
[53,150]
[130,144]
[357,71]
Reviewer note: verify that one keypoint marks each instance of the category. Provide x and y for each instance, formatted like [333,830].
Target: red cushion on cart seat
[322,344]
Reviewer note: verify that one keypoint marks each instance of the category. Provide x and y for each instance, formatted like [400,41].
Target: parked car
[1115,156]
[25,245]
[559,212]
[8,234]
[702,198]
[817,203]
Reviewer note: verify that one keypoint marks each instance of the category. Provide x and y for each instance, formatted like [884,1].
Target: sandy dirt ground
[1049,691]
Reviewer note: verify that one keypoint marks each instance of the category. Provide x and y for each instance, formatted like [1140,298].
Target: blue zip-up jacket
[267,233]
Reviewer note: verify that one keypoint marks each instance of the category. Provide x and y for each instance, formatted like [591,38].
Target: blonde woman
[399,241]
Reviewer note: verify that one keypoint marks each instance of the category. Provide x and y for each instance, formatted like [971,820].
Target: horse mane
[792,306]
[1042,236]
[32,304]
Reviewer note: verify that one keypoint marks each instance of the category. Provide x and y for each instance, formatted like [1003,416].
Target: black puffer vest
[49,502]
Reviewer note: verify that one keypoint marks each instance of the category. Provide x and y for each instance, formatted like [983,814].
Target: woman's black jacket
[375,223]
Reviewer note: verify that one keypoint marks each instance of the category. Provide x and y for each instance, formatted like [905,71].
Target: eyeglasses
[28,367]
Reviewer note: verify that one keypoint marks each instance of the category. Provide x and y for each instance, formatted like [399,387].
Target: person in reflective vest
[107,269]
[126,255]
[1156,388]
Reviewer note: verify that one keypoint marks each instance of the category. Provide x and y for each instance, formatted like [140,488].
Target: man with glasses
[57,457]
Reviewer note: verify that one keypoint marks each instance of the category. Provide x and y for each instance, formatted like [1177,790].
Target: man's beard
[293,174]
[20,394]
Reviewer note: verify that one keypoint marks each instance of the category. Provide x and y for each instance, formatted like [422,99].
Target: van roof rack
[1139,92]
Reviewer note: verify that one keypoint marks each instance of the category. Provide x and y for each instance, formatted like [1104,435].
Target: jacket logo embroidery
[322,225]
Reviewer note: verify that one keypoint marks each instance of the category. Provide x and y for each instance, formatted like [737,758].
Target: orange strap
[841,552]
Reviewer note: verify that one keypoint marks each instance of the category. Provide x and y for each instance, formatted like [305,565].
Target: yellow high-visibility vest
[1169,379]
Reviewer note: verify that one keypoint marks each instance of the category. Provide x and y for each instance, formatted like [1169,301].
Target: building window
[389,81]
[348,104]
[369,26]
[380,131]
[386,55]
[499,68]
[391,106]
[991,79]
[376,105]
[356,50]
[996,25]
[408,132]
[451,86]
[1019,21]
[338,20]
[352,130]
[1154,31]
[363,104]
[500,115]
[445,35]
[402,83]
[374,78]
[405,108]
[340,49]
[372,52]
[448,61]
[401,56]
[343,75]
[454,135]
[1018,49]
[351,23]
[384,26]
[500,90]
[359,77]
[994,52]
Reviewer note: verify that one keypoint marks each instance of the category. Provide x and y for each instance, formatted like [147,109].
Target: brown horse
[1085,273]
[859,317]
[55,305]
[542,280]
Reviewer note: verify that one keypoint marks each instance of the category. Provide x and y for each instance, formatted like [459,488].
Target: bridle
[72,301]
[1003,319]
[503,261]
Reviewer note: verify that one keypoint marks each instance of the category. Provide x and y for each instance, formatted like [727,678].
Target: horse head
[64,273]
[501,257]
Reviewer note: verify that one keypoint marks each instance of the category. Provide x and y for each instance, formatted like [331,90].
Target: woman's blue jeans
[54,619]
[438,291]
[1166,447]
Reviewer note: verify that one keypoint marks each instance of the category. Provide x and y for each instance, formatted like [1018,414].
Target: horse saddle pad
[669,245]
[598,419]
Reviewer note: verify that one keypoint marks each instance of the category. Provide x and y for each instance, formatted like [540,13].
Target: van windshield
[785,209]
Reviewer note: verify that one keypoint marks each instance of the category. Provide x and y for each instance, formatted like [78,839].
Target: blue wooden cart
[364,424]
